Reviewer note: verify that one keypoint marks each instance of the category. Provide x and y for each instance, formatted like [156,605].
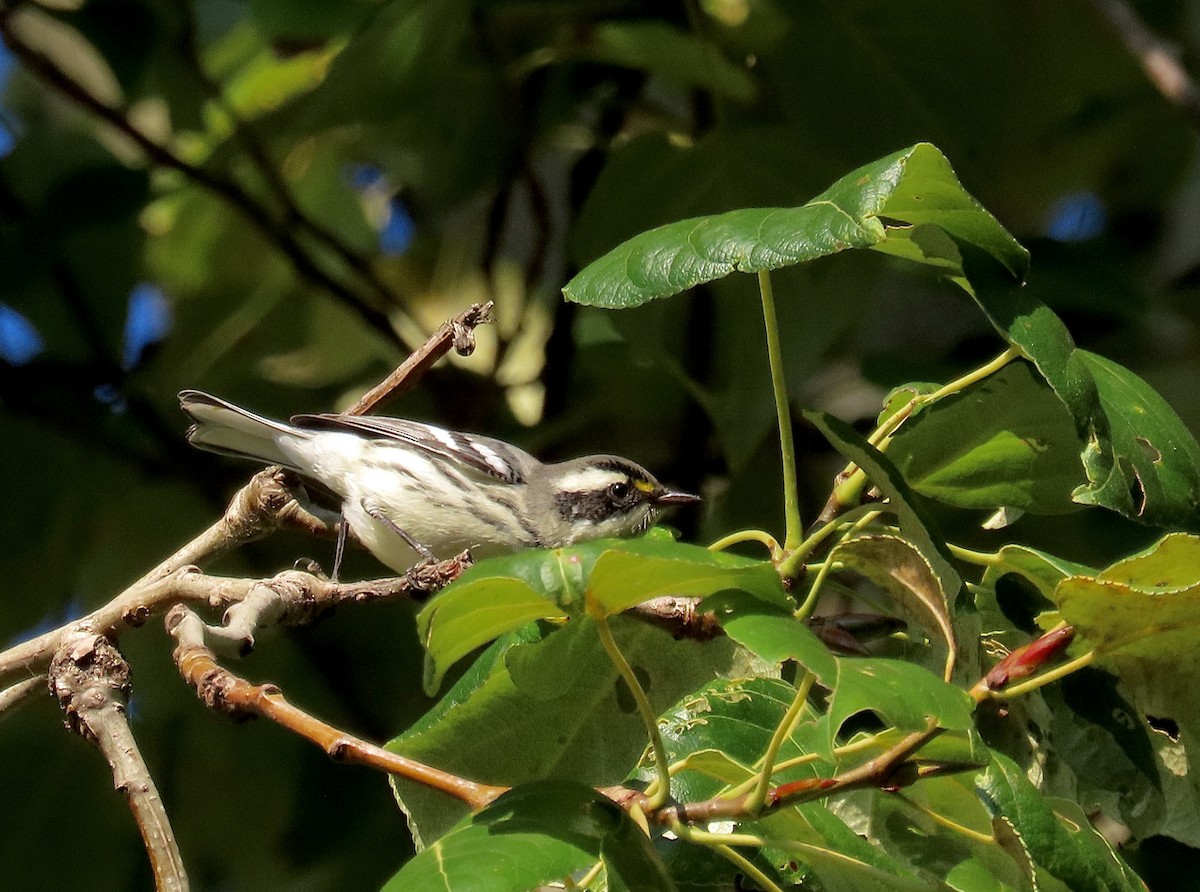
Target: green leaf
[972,875]
[551,704]
[500,594]
[1006,441]
[906,504]
[638,570]
[534,835]
[1142,616]
[469,617]
[1056,834]
[771,633]
[842,859]
[903,694]
[1041,569]
[881,205]
[897,567]
[1155,476]
[1034,329]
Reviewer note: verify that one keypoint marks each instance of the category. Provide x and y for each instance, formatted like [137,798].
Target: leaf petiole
[793,528]
[662,789]
[762,536]
[754,802]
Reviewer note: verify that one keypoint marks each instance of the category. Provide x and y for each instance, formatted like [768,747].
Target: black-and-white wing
[489,456]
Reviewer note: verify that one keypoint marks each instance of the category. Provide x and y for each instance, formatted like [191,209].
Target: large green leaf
[1056,834]
[1155,477]
[1007,441]
[498,595]
[534,835]
[1142,615]
[888,204]
[541,705]
[905,695]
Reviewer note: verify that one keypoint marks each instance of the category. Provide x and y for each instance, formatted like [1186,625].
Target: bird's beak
[668,497]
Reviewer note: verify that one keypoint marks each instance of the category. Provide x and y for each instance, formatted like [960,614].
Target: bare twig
[458,333]
[1159,59]
[225,692]
[20,693]
[266,503]
[91,680]
[276,231]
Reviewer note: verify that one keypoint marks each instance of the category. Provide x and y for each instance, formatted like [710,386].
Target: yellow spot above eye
[644,485]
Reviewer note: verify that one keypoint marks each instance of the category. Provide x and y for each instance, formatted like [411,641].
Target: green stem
[591,876]
[814,591]
[805,610]
[748,536]
[850,490]
[942,820]
[1045,678]
[859,516]
[748,867]
[661,763]
[794,529]
[884,432]
[756,799]
[981,558]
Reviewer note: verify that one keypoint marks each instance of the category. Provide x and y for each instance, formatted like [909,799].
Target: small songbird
[411,490]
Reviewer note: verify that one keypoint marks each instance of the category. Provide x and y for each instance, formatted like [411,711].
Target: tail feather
[227,429]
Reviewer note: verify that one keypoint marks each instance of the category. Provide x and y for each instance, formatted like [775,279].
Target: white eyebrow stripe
[591,479]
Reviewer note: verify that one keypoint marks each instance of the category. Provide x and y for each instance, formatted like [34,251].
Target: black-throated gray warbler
[410,489]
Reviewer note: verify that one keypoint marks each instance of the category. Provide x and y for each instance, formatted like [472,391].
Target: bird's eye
[619,492]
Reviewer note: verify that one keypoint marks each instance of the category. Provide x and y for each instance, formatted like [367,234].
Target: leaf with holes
[1154,476]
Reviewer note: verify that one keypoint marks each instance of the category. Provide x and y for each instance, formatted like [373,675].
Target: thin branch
[1158,58]
[225,692]
[276,231]
[17,695]
[91,680]
[309,596]
[458,333]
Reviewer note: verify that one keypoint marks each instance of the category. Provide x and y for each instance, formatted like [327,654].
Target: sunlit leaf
[534,835]
[884,205]
[771,633]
